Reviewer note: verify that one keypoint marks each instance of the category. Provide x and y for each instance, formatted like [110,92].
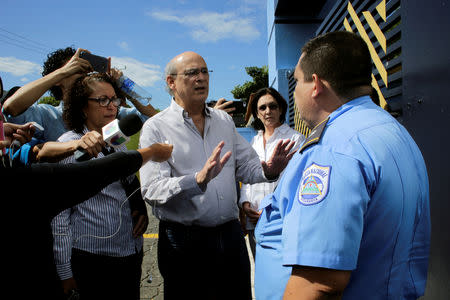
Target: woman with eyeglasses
[268,109]
[98,244]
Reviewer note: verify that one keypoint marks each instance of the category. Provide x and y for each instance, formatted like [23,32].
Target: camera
[238,114]
[99,63]
[239,106]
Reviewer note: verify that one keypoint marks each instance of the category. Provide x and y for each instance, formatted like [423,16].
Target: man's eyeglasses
[104,101]
[272,106]
[194,72]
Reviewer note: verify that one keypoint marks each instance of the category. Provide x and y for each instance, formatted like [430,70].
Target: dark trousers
[204,263]
[104,277]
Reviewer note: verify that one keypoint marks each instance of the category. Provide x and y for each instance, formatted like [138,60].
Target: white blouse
[254,193]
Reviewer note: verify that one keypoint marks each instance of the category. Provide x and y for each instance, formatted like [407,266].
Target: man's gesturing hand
[279,160]
[212,167]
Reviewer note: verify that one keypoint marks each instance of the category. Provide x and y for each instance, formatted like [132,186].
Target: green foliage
[260,78]
[134,142]
[49,100]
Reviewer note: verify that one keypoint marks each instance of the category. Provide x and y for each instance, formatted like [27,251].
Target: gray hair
[171,68]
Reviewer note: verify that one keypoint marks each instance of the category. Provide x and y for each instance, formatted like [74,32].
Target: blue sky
[139,36]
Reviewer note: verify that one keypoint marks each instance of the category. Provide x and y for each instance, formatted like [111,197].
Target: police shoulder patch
[314,184]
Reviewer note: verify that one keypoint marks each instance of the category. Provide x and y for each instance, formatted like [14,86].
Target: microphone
[115,134]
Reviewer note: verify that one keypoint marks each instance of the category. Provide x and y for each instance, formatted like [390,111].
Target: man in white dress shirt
[201,248]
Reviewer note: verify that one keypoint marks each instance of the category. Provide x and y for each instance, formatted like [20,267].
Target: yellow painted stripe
[379,65]
[376,29]
[299,124]
[347,25]
[380,95]
[296,119]
[151,236]
[381,9]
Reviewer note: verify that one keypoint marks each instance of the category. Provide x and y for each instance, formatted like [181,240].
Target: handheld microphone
[115,134]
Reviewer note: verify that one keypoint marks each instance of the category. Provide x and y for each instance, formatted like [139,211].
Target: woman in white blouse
[268,109]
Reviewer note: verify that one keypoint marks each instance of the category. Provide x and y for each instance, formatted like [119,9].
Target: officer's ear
[318,86]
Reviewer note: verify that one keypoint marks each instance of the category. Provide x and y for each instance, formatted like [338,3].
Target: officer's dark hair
[341,58]
[73,114]
[56,60]
[253,102]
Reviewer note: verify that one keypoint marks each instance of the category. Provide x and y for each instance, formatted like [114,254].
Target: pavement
[153,289]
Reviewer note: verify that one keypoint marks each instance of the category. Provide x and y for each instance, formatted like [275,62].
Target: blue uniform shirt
[356,200]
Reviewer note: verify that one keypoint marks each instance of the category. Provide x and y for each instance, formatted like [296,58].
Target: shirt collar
[175,107]
[363,100]
[283,128]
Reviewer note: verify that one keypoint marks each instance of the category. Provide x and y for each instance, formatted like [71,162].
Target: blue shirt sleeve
[33,113]
[325,224]
[48,116]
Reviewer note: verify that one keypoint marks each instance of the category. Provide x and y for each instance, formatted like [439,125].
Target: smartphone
[99,63]
[37,126]
[239,107]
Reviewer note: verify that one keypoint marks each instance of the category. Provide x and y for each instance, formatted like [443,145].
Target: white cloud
[18,67]
[142,73]
[123,46]
[212,26]
[255,8]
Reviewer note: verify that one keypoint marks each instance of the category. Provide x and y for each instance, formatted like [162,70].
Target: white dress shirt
[171,188]
[254,193]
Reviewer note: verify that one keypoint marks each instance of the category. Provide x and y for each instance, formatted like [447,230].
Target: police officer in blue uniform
[350,217]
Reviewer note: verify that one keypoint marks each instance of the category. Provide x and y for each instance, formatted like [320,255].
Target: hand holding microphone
[91,144]
[115,134]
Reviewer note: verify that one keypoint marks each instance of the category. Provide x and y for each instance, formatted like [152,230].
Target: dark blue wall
[426,114]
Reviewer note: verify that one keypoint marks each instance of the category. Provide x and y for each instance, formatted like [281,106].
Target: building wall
[426,111]
[417,62]
[284,47]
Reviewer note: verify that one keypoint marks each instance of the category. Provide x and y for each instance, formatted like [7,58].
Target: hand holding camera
[76,65]
[99,63]
[237,107]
